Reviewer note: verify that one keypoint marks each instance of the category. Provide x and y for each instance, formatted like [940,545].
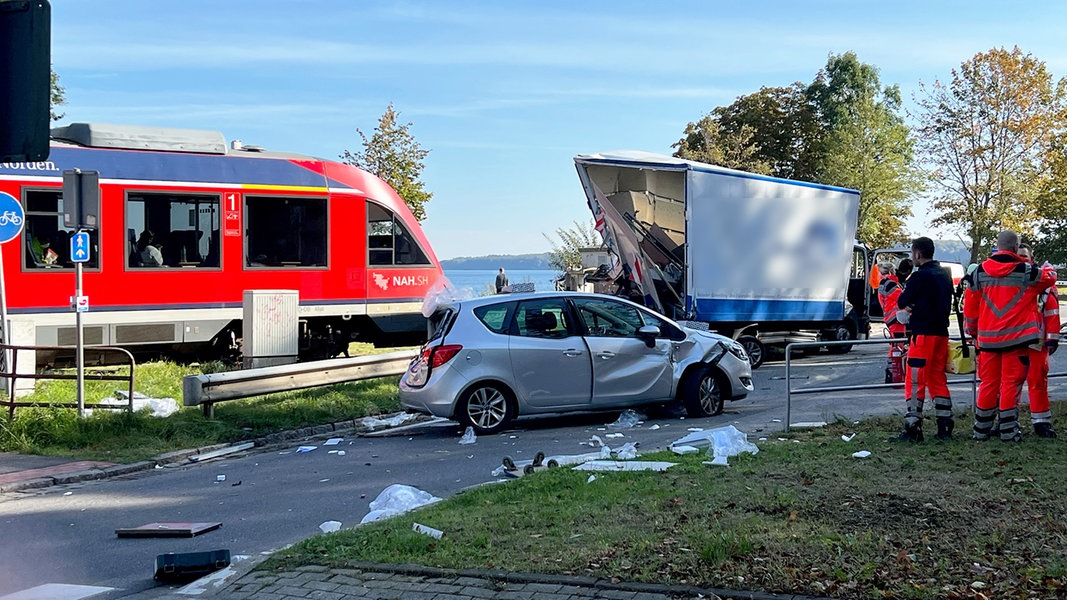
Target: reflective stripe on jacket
[1048,304]
[999,306]
[888,292]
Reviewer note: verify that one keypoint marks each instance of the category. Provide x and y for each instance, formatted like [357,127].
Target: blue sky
[502,93]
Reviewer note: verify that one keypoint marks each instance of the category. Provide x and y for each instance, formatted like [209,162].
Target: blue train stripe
[174,167]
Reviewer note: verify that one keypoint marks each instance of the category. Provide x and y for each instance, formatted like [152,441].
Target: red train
[187,223]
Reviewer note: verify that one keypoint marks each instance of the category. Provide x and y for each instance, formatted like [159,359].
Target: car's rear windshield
[495,316]
[440,322]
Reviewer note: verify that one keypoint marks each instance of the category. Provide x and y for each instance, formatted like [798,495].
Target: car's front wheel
[702,393]
[485,407]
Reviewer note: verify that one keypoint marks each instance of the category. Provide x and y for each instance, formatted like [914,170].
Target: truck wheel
[702,393]
[754,348]
[842,333]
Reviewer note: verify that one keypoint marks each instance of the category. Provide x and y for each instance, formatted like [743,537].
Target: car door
[549,359]
[625,369]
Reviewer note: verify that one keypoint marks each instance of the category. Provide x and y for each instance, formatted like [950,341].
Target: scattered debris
[333,441]
[721,441]
[847,438]
[685,449]
[220,478]
[430,531]
[236,484]
[861,454]
[397,499]
[615,435]
[695,429]
[630,465]
[653,428]
[222,452]
[596,440]
[187,566]
[374,422]
[157,407]
[302,449]
[329,526]
[468,436]
[627,452]
[718,461]
[167,530]
[591,479]
[810,424]
[629,418]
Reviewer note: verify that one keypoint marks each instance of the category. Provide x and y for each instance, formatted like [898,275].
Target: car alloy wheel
[703,394]
[485,408]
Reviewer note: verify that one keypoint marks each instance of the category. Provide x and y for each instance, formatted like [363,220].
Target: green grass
[802,517]
[122,437]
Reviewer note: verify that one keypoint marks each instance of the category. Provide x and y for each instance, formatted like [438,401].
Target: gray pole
[80,341]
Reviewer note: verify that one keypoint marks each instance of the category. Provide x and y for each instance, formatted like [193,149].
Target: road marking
[57,591]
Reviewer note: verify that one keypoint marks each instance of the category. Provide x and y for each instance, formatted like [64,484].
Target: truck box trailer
[762,259]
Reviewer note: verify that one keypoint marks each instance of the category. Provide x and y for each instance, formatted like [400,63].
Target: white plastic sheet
[721,441]
[629,418]
[397,499]
[468,436]
[393,421]
[156,407]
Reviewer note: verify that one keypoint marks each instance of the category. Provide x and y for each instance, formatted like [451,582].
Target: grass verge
[957,519]
[118,436]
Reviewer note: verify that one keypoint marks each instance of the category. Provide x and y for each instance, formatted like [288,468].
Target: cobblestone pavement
[410,582]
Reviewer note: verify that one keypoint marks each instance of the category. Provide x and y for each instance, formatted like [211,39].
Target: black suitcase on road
[187,566]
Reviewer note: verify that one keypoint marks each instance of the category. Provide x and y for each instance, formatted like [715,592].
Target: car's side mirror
[648,333]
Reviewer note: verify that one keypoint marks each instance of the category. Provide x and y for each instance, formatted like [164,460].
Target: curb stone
[179,457]
[492,576]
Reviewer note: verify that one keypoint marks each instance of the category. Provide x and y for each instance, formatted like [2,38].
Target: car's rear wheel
[702,393]
[485,407]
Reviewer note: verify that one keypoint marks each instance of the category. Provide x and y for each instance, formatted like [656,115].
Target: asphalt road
[273,498]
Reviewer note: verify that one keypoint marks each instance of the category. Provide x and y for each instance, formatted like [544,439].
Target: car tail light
[429,358]
[439,355]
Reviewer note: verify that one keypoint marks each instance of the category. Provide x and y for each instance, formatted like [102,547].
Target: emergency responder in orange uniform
[999,310]
[889,289]
[928,299]
[1048,307]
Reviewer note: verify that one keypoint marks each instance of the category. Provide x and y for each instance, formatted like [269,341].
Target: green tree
[992,136]
[566,252]
[865,145]
[393,154]
[769,132]
[58,97]
[843,129]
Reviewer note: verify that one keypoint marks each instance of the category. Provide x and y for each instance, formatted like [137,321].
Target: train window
[389,242]
[285,232]
[46,242]
[172,230]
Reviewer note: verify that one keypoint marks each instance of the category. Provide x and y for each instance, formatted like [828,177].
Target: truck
[760,259]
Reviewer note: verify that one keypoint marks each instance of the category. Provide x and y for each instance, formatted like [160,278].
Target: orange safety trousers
[1003,375]
[1037,380]
[927,357]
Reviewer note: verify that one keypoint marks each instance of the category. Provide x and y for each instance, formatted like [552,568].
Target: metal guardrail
[206,390]
[12,402]
[973,380]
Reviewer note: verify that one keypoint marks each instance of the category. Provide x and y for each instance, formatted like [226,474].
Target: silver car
[495,358]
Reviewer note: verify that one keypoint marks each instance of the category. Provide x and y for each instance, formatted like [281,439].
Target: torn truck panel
[725,247]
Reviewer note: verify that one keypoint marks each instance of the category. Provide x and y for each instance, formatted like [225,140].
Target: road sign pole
[5,356]
[80,340]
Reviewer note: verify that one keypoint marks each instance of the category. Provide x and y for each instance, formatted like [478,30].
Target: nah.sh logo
[381,281]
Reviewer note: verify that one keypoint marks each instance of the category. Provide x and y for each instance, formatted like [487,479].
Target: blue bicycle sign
[12,217]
